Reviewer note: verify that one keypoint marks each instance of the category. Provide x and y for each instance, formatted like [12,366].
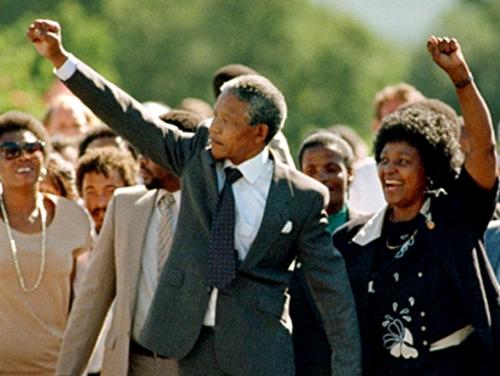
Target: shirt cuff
[65,71]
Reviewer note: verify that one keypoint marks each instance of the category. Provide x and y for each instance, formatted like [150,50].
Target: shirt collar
[372,229]
[337,219]
[253,167]
[162,192]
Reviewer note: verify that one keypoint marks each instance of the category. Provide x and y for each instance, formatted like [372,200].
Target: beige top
[32,324]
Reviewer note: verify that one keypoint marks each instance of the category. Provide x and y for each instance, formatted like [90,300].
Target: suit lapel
[138,226]
[276,213]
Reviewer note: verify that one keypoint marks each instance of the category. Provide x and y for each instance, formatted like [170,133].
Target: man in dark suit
[227,317]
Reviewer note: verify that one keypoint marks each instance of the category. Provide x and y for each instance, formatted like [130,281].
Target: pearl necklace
[43,216]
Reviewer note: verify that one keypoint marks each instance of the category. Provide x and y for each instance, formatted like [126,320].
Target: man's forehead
[230,103]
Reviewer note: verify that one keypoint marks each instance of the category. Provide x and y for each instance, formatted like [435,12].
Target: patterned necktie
[166,205]
[221,255]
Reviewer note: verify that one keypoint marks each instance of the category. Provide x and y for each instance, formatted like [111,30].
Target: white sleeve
[65,71]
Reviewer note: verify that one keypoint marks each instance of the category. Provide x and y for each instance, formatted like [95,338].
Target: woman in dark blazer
[426,299]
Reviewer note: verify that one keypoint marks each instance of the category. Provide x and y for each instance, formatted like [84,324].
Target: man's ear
[261,132]
[350,176]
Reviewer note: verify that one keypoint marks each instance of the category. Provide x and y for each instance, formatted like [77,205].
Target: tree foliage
[327,65]
[476,25]
[24,76]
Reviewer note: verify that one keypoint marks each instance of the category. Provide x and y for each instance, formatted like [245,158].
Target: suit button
[209,289]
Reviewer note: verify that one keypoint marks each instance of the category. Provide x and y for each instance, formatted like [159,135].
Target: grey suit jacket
[250,337]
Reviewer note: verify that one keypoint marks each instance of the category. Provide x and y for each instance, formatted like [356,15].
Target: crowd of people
[139,239]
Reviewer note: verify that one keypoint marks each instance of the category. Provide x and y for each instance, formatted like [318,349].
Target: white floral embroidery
[399,339]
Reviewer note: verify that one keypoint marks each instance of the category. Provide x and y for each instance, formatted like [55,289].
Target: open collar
[372,229]
[253,167]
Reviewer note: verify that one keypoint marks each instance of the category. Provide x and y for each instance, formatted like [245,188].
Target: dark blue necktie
[221,254]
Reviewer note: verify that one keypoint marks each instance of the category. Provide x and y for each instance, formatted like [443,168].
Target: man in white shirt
[125,268]
[219,311]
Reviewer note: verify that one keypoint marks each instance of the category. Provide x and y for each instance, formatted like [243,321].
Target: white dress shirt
[148,275]
[250,196]
[66,70]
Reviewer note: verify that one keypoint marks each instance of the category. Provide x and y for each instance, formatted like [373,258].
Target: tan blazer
[112,276]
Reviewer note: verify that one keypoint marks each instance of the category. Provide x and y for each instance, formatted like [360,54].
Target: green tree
[476,25]
[327,65]
[24,76]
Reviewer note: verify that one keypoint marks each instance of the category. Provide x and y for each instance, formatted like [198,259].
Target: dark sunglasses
[12,150]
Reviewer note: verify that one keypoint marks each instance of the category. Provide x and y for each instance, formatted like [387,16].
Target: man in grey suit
[238,328]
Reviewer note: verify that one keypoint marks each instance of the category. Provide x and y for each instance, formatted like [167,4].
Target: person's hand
[447,54]
[46,36]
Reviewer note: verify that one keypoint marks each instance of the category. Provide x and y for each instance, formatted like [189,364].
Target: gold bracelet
[464,83]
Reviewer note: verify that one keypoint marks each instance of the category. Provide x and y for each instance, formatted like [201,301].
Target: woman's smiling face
[402,174]
[24,168]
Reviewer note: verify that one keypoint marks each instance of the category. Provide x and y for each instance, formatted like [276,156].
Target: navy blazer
[456,245]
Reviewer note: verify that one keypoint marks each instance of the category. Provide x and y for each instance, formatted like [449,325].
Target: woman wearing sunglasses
[40,237]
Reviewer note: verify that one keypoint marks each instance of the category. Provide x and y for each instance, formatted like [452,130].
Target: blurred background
[329,57]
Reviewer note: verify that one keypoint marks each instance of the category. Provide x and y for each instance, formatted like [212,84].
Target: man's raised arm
[164,144]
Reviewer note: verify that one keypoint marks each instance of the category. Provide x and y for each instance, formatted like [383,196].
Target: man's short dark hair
[266,104]
[228,72]
[103,161]
[325,138]
[102,131]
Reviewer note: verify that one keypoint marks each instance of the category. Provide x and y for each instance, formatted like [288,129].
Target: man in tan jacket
[125,269]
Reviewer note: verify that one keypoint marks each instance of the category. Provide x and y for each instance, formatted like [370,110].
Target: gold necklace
[43,216]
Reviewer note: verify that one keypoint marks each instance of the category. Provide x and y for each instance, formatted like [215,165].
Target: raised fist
[46,36]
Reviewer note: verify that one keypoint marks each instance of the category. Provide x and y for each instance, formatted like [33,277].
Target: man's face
[326,165]
[67,121]
[97,191]
[231,136]
[387,108]
[154,176]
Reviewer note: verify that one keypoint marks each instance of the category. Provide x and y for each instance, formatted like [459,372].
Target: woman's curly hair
[434,136]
